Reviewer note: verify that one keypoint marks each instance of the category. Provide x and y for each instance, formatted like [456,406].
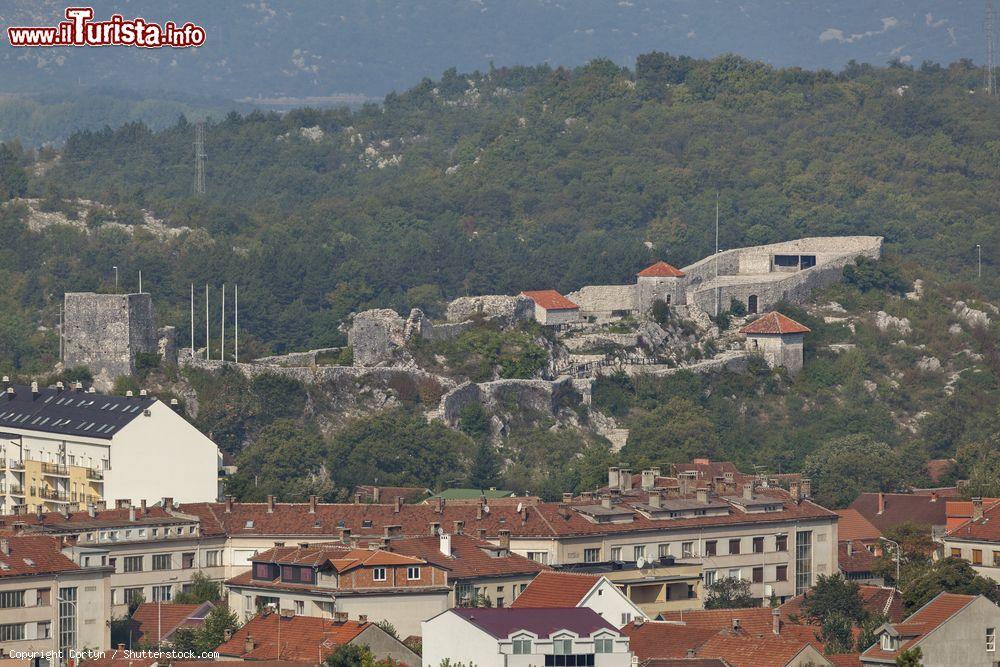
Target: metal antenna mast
[990,74]
[192,320]
[236,305]
[222,338]
[208,339]
[199,158]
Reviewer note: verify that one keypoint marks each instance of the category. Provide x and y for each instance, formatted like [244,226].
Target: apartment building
[153,551]
[976,538]
[325,580]
[777,539]
[62,449]
[48,602]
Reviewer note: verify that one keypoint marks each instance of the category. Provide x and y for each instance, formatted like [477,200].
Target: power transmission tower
[991,75]
[199,158]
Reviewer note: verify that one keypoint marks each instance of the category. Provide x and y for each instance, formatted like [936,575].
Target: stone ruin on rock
[105,332]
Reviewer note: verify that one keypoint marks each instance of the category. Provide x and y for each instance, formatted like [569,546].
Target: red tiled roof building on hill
[778,339]
[976,537]
[552,308]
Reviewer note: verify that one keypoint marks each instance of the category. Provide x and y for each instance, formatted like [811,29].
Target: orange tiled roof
[150,618]
[661,640]
[741,651]
[32,554]
[986,529]
[853,556]
[853,526]
[774,323]
[924,620]
[341,557]
[661,270]
[468,559]
[303,638]
[556,589]
[549,299]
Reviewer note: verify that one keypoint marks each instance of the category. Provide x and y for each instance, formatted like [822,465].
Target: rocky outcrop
[524,395]
[884,322]
[971,316]
[376,336]
[506,310]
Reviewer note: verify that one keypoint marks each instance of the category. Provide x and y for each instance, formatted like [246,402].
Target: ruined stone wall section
[104,332]
[599,301]
[508,310]
[533,395]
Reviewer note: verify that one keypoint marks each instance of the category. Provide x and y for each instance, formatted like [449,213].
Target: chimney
[459,526]
[776,621]
[737,626]
[444,542]
[881,502]
[121,503]
[796,491]
[440,507]
[479,512]
[656,471]
[4,546]
[606,501]
[504,536]
[131,513]
[655,500]
[691,653]
[648,479]
[101,505]
[397,504]
[850,547]
[357,498]
[78,385]
[142,505]
[567,497]
[60,386]
[40,513]
[702,495]
[806,487]
[121,647]
[142,392]
[362,618]
[345,534]
[229,504]
[168,503]
[748,491]
[614,477]
[376,494]
[270,504]
[128,394]
[340,617]
[977,509]
[312,504]
[227,634]
[934,496]
[626,479]
[91,510]
[248,644]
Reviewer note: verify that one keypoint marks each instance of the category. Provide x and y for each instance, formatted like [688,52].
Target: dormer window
[522,646]
[888,642]
[562,646]
[604,645]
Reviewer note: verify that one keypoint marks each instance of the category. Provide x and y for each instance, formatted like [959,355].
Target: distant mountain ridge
[262,50]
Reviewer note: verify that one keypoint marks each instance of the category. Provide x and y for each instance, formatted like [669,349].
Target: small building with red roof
[570,589]
[974,534]
[271,636]
[778,339]
[552,308]
[949,630]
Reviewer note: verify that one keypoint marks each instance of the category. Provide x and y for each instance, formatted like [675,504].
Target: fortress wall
[105,331]
[599,300]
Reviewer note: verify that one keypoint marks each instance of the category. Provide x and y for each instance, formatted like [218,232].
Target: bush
[869,274]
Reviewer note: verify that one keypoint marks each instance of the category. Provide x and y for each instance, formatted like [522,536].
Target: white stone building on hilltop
[778,339]
[63,449]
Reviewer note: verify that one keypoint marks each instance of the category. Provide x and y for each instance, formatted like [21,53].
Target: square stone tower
[778,339]
[104,332]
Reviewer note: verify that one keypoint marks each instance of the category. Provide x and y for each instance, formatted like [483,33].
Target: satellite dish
[641,562]
[520,506]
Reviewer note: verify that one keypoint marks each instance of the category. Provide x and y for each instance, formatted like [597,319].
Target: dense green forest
[528,178]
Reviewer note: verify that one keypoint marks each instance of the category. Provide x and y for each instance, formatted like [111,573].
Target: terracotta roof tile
[549,299]
[150,618]
[740,651]
[303,638]
[469,559]
[853,526]
[922,621]
[661,640]
[556,589]
[986,529]
[32,554]
[900,508]
[774,323]
[854,557]
[661,270]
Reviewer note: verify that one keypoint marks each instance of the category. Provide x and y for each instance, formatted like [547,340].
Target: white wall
[608,601]
[162,456]
[448,636]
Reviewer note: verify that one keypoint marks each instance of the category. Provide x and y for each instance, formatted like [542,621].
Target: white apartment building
[65,448]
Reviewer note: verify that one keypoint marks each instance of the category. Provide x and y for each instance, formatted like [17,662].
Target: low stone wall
[598,340]
[293,359]
[536,395]
[500,307]
[733,360]
[599,301]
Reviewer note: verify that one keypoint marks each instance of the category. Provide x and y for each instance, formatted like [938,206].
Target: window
[991,639]
[562,646]
[638,551]
[736,573]
[616,553]
[161,561]
[413,573]
[248,603]
[591,555]
[43,597]
[758,545]
[265,571]
[11,632]
[378,574]
[162,593]
[781,543]
[956,552]
[213,558]
[687,548]
[43,630]
[711,547]
[499,602]
[133,595]
[522,647]
[11,599]
[626,618]
[463,592]
[781,573]
[996,559]
[758,575]
[887,642]
[67,620]
[734,546]
[187,560]
[710,577]
[803,561]
[300,607]
[604,645]
[663,550]
[977,556]
[539,557]
[133,563]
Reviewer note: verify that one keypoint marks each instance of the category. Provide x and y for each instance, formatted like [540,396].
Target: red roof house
[661,270]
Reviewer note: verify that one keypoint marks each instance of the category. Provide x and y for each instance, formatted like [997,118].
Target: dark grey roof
[68,411]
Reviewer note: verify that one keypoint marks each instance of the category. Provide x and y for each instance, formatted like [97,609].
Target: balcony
[55,470]
[95,474]
[13,465]
[53,495]
[15,490]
